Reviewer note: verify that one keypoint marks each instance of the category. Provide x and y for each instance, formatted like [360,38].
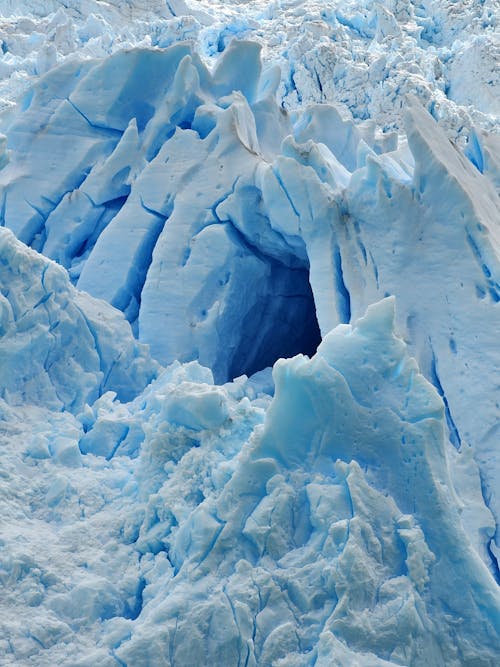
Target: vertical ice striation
[227,231]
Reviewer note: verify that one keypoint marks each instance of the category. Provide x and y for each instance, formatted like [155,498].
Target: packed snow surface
[192,193]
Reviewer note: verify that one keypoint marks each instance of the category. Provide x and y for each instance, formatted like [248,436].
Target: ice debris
[61,348]
[321,529]
[361,55]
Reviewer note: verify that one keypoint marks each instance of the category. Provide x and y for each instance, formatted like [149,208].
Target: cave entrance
[279,324]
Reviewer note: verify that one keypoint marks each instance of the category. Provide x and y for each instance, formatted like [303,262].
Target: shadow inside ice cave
[281,324]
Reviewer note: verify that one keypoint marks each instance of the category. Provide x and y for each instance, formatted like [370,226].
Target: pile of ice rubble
[342,512]
[203,524]
[364,56]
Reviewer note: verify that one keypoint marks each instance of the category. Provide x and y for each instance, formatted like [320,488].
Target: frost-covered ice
[240,201]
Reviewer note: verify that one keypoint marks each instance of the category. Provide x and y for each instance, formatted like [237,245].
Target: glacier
[249,289]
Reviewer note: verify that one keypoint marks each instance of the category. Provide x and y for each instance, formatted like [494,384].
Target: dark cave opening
[280,323]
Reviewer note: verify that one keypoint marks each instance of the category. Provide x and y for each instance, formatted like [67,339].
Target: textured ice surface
[203,530]
[224,227]
[361,55]
[61,348]
[345,510]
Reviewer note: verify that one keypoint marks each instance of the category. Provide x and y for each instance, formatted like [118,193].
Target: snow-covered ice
[306,186]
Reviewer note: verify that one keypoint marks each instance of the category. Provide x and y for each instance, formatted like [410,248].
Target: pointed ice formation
[433,240]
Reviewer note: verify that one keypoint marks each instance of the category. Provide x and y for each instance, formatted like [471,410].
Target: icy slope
[329,534]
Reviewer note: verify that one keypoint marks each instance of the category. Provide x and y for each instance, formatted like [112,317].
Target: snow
[249,292]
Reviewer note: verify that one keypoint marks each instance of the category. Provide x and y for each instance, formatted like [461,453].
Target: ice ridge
[209,214]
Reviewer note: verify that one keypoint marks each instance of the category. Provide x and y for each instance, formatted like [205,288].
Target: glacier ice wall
[101,206]
[224,227]
[180,515]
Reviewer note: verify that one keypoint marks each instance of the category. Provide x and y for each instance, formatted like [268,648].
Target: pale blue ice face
[233,234]
[170,510]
